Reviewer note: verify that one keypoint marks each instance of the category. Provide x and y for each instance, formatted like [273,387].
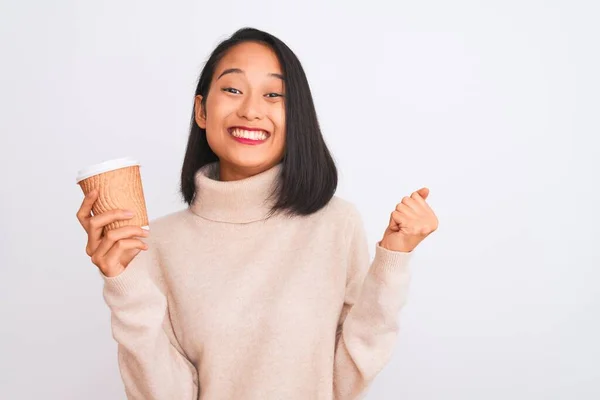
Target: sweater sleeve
[368,326]
[152,363]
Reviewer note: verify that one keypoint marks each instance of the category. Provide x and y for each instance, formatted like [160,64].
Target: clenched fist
[411,222]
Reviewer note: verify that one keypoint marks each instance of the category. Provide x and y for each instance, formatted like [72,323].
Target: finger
[115,235]
[97,223]
[408,206]
[397,220]
[419,199]
[423,192]
[114,255]
[85,211]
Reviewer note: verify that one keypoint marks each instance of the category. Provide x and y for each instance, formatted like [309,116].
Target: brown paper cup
[120,187]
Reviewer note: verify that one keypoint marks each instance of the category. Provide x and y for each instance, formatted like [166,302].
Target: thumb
[423,192]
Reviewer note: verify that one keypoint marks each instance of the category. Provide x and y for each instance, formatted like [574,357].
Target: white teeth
[252,135]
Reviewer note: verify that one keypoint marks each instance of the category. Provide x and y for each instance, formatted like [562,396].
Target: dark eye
[273,95]
[231,90]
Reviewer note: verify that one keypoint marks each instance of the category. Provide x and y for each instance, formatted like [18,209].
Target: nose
[251,108]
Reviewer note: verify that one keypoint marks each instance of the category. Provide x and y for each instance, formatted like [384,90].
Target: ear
[199,112]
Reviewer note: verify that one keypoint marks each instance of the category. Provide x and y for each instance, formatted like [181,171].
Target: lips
[244,133]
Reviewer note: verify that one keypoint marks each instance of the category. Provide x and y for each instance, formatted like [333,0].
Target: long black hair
[308,175]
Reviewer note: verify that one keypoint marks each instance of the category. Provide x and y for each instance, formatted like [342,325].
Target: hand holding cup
[112,251]
[113,213]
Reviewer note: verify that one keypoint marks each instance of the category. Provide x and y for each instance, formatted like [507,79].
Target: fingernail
[129,214]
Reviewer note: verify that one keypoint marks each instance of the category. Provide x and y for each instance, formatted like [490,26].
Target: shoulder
[341,208]
[342,212]
[349,225]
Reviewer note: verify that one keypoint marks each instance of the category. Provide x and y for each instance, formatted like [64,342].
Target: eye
[231,90]
[273,95]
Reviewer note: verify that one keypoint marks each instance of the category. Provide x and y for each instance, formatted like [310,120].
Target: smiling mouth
[249,135]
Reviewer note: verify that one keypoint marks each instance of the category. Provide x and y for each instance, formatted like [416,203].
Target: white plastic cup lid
[105,166]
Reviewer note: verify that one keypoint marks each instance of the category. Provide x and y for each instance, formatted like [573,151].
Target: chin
[252,162]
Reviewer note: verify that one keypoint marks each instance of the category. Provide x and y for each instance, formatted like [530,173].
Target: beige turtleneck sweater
[229,303]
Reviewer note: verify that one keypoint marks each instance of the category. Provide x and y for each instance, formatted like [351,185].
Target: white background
[492,105]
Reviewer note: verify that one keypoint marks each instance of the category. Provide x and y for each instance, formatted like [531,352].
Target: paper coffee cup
[120,187]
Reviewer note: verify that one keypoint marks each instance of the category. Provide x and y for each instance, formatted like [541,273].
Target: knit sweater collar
[241,201]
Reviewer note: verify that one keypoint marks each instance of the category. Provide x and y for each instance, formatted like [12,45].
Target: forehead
[250,57]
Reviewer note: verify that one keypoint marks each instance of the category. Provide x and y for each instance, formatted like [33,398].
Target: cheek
[216,117]
[214,125]
[218,107]
[213,132]
[279,120]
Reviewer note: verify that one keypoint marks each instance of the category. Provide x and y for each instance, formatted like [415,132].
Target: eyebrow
[239,71]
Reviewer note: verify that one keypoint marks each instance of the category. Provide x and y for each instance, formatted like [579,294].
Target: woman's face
[245,111]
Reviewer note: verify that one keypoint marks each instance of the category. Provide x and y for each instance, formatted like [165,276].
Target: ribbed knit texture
[231,303]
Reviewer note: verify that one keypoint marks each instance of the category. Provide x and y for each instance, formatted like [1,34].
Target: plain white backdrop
[492,105]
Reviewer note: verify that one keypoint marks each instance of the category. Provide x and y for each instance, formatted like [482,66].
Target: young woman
[262,287]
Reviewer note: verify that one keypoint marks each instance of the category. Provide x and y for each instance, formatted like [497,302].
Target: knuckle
[111,236]
[93,223]
[95,259]
[405,199]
